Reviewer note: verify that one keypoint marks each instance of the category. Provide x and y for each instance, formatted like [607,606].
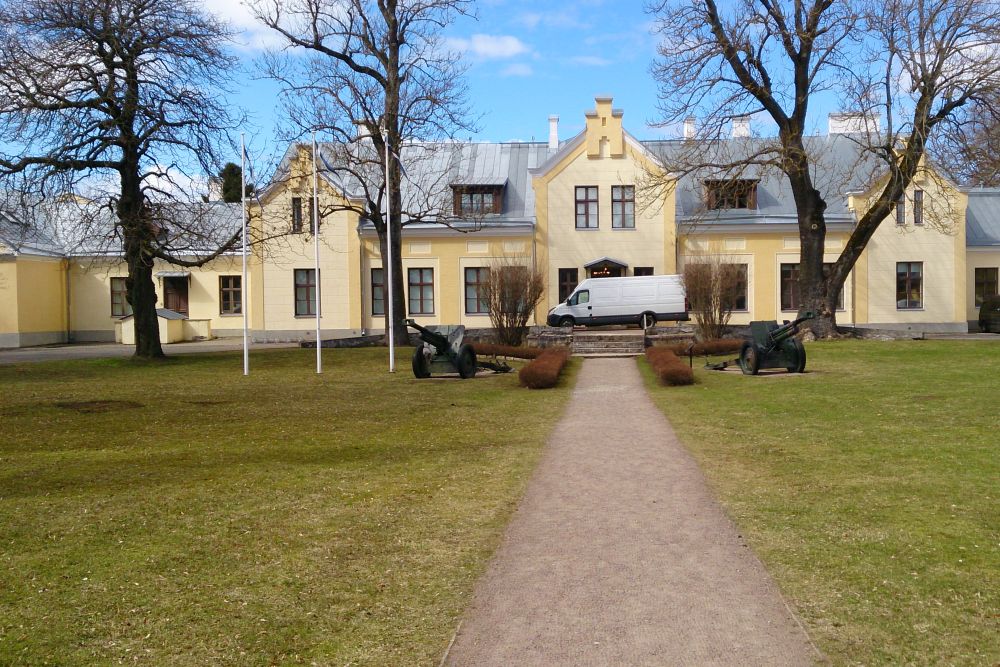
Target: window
[581,297]
[305,292]
[790,286]
[623,207]
[918,207]
[735,193]
[475,291]
[421,291]
[986,283]
[378,291]
[586,207]
[909,285]
[296,215]
[478,199]
[230,295]
[739,286]
[568,280]
[642,271]
[901,211]
[119,303]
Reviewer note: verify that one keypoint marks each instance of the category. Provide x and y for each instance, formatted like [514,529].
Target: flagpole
[388,243]
[243,286]
[315,216]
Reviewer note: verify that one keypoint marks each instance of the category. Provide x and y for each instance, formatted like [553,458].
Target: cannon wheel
[749,359]
[799,365]
[421,369]
[647,320]
[466,362]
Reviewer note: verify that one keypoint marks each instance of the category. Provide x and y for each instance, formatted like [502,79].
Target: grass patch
[869,487]
[184,514]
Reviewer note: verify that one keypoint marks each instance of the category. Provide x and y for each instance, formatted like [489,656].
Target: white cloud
[251,35]
[590,61]
[555,19]
[490,47]
[517,69]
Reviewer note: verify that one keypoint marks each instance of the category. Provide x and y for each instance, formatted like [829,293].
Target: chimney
[689,128]
[553,133]
[741,126]
[853,123]
[360,131]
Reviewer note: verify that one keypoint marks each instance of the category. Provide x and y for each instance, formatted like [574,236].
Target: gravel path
[619,554]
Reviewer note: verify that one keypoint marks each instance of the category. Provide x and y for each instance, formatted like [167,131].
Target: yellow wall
[939,243]
[41,295]
[284,252]
[8,299]
[90,298]
[763,254]
[449,256]
[604,158]
[977,258]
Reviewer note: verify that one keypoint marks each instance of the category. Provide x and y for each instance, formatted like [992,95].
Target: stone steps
[608,343]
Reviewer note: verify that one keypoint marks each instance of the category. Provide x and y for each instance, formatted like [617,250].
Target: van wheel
[647,320]
[566,322]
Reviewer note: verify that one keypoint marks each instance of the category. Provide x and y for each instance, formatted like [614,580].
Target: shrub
[709,347]
[543,372]
[513,288]
[668,367]
[518,352]
[713,287]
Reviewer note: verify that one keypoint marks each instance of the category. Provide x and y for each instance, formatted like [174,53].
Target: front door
[175,294]
[606,270]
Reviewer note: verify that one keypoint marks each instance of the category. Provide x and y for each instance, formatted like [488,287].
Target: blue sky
[527,59]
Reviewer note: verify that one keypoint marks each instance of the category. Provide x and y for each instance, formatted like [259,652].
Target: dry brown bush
[668,367]
[543,372]
[515,352]
[709,347]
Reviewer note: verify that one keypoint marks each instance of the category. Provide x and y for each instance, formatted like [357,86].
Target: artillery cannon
[773,346]
[442,353]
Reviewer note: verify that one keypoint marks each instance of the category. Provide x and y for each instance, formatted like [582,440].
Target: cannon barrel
[788,330]
[439,342]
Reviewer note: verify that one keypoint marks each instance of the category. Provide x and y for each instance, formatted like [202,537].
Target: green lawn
[283,518]
[870,487]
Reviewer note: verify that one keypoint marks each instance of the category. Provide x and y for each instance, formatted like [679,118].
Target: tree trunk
[398,308]
[140,289]
[810,207]
[141,292]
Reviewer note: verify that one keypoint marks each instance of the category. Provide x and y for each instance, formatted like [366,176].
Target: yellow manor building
[577,208]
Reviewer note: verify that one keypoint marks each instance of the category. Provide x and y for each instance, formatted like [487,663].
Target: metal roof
[982,218]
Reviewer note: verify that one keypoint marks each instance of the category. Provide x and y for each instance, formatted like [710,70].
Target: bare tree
[118,98]
[969,151]
[513,288]
[908,67]
[712,286]
[372,74]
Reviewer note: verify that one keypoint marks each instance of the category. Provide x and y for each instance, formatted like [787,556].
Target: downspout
[361,269]
[69,299]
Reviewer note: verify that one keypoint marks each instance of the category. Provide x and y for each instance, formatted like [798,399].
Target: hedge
[491,350]
[543,372]
[668,367]
[709,347]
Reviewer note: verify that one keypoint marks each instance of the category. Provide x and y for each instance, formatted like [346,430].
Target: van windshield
[582,296]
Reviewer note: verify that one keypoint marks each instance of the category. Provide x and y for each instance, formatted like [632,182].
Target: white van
[638,300]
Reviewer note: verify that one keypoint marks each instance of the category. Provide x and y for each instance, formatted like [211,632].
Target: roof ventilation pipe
[553,133]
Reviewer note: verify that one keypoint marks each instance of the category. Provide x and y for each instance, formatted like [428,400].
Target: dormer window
[476,200]
[734,193]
